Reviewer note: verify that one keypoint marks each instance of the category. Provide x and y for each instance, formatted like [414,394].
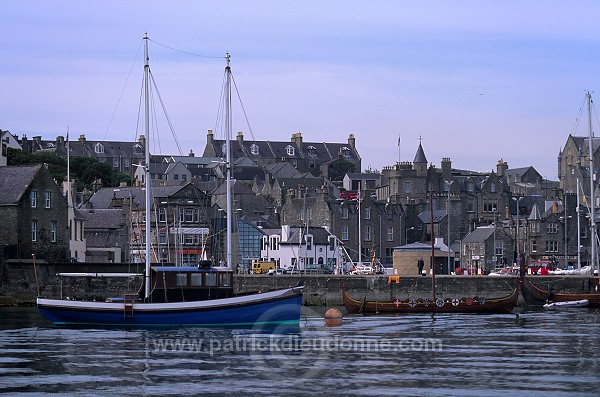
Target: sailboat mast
[432,244]
[228,158]
[592,182]
[147,165]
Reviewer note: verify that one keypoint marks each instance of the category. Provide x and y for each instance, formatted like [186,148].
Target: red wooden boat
[440,305]
[536,296]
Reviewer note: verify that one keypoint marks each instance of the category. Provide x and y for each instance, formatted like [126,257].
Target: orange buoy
[333,317]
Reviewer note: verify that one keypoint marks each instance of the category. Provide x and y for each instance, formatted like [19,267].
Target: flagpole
[398,148]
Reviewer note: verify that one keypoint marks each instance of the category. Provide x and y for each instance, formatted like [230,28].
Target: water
[536,353]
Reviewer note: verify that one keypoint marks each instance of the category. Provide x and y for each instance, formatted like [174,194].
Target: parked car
[362,270]
[273,272]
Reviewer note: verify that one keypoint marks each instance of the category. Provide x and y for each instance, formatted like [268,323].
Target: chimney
[210,136]
[82,138]
[297,139]
[60,141]
[501,168]
[446,168]
[142,140]
[352,141]
[191,153]
[240,137]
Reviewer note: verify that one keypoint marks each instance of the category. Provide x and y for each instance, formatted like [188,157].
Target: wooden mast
[432,263]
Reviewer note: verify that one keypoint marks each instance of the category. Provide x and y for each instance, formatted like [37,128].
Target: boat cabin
[190,283]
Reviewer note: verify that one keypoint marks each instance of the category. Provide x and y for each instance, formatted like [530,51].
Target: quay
[18,284]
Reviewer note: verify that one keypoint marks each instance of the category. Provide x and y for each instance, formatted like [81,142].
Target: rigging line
[122,90]
[185,52]
[164,108]
[578,118]
[220,111]
[242,106]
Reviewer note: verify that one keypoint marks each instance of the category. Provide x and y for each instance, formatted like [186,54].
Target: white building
[311,249]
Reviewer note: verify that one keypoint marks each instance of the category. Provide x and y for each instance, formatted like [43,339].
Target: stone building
[330,159]
[34,215]
[485,248]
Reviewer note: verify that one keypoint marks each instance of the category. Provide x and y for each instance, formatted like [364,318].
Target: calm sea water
[534,353]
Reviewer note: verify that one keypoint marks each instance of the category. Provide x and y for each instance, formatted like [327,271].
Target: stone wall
[18,286]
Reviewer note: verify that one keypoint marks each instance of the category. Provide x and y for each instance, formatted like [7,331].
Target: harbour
[532,351]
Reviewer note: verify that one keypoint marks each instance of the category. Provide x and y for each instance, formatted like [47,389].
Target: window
[499,251]
[331,240]
[176,176]
[367,233]
[344,232]
[254,149]
[346,152]
[34,230]
[407,187]
[126,164]
[224,148]
[289,149]
[311,151]
[211,279]
[184,177]
[533,245]
[470,187]
[264,243]
[53,229]
[115,163]
[98,148]
[552,228]
[470,204]
[48,199]
[33,196]
[551,246]
[367,213]
[181,279]
[162,214]
[274,240]
[309,242]
[344,212]
[162,237]
[490,205]
[196,279]
[493,187]
[390,233]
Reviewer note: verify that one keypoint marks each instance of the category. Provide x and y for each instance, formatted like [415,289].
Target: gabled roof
[15,180]
[535,214]
[438,215]
[479,235]
[103,218]
[103,197]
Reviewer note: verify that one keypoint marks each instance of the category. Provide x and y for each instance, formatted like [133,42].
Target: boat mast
[592,182]
[432,243]
[147,165]
[228,158]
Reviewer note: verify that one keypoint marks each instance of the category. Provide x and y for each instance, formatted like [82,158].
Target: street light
[517,200]
[449,183]
[495,254]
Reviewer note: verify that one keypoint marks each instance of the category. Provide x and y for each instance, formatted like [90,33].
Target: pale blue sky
[477,80]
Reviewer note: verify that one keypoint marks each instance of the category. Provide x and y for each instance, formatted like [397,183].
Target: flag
[398,140]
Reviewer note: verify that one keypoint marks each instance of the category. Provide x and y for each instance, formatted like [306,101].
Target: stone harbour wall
[18,284]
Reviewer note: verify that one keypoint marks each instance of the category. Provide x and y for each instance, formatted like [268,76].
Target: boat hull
[264,309]
[536,296]
[463,305]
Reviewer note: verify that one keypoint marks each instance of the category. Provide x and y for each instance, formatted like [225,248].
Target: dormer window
[254,149]
[98,148]
[289,149]
[345,151]
[137,148]
[312,151]
[224,148]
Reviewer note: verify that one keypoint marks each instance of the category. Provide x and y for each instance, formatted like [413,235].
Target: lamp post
[449,183]
[517,200]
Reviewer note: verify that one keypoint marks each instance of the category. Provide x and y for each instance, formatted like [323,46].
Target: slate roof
[14,182]
[103,197]
[103,218]
[438,215]
[479,235]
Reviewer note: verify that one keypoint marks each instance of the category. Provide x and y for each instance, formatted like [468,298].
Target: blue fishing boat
[176,296]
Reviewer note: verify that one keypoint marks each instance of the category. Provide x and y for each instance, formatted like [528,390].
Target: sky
[473,81]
